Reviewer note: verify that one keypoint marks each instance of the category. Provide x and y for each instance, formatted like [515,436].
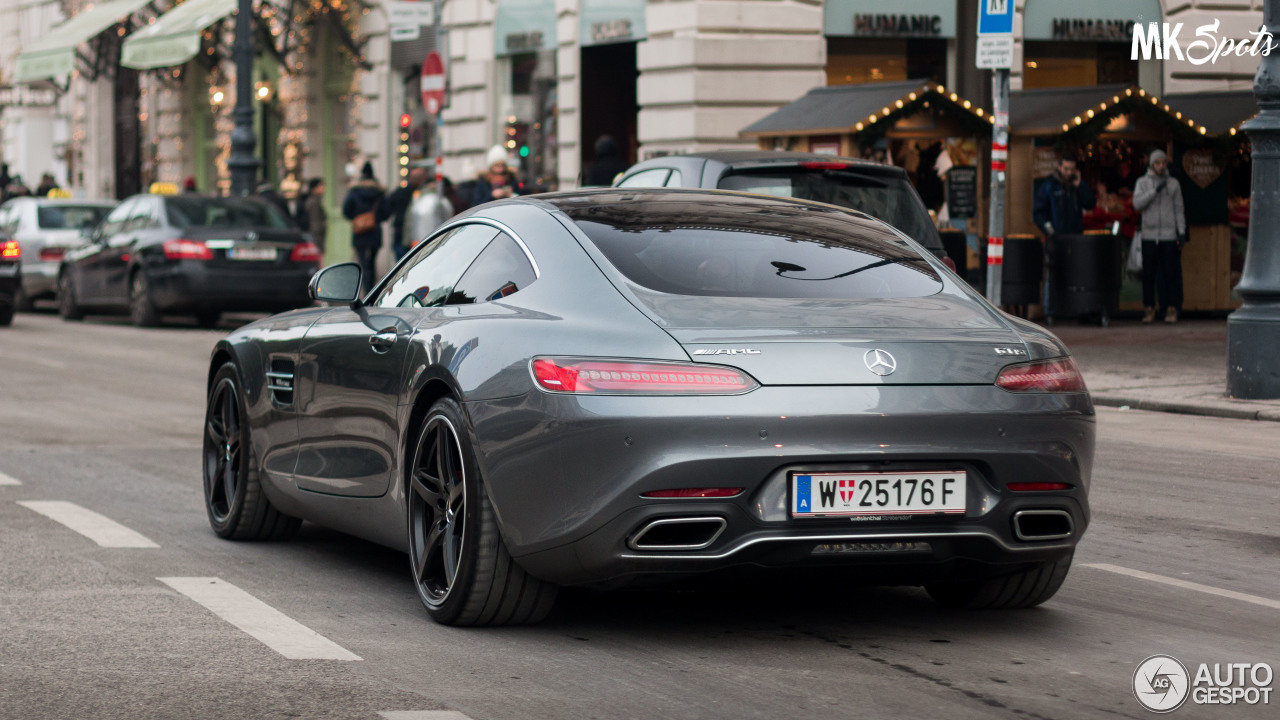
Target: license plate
[868,493]
[251,253]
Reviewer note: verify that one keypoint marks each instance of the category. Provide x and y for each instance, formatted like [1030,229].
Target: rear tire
[459,563]
[142,309]
[22,302]
[233,497]
[68,302]
[6,315]
[1017,590]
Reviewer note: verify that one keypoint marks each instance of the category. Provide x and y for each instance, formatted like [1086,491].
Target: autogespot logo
[1160,683]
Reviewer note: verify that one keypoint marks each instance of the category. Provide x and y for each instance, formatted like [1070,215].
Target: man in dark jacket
[607,165]
[1059,210]
[366,195]
[398,207]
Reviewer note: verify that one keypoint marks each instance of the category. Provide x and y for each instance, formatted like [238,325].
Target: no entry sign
[433,83]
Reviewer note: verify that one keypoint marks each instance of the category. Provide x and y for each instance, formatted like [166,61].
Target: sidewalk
[1179,368]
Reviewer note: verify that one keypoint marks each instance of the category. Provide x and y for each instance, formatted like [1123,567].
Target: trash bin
[1023,270]
[1084,275]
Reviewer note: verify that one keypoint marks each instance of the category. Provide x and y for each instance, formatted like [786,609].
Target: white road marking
[423,715]
[102,530]
[1187,585]
[273,628]
[6,480]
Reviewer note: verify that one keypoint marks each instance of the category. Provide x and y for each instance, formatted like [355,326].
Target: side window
[647,178]
[676,179]
[140,216]
[114,222]
[499,271]
[429,279]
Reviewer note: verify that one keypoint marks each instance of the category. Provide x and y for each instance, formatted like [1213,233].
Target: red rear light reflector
[1036,486]
[182,249]
[824,165]
[611,377]
[50,254]
[1057,375]
[305,252]
[10,249]
[694,493]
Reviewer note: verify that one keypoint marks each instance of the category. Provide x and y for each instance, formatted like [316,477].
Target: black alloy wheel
[233,497]
[68,301]
[142,309]
[460,565]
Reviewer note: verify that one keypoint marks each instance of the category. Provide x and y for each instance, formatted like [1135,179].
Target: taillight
[305,252]
[51,254]
[694,493]
[183,249]
[1037,486]
[1057,375]
[824,165]
[10,249]
[638,378]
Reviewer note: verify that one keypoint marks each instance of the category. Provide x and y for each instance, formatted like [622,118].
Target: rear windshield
[70,217]
[693,245]
[889,199]
[224,213]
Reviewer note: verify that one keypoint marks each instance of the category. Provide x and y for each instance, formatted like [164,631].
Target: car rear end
[845,403]
[59,226]
[229,255]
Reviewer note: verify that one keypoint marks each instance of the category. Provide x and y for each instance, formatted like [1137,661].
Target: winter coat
[1063,205]
[483,192]
[317,220]
[1162,214]
[364,196]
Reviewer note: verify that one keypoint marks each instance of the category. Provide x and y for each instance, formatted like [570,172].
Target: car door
[351,371]
[88,263]
[117,258]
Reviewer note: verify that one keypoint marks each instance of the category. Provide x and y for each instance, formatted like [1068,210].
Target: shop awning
[54,55]
[174,37]
[852,108]
[1218,112]
[1080,113]
[1043,112]
[523,26]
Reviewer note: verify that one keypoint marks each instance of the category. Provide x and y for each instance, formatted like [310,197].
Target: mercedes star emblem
[880,362]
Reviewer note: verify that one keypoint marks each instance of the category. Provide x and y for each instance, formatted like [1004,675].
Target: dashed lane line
[1186,585]
[423,715]
[102,530]
[268,625]
[6,480]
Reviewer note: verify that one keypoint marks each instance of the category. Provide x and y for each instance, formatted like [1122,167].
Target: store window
[1062,64]
[530,109]
[858,60]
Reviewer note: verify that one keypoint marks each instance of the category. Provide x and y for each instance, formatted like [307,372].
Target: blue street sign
[995,17]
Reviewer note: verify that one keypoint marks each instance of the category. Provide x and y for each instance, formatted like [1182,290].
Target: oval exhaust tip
[1041,525]
[685,533]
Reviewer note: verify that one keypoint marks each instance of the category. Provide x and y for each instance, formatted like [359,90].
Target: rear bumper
[40,279]
[566,474]
[10,277]
[189,286]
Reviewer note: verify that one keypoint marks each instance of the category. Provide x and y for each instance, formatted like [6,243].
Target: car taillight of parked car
[51,254]
[305,253]
[571,375]
[1047,376]
[183,249]
[10,249]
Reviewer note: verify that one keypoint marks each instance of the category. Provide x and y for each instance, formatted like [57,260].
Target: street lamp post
[242,163]
[1253,331]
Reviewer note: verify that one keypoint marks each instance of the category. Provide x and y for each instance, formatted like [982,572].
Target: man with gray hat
[1158,197]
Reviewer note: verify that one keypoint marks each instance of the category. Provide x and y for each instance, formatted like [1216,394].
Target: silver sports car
[605,387]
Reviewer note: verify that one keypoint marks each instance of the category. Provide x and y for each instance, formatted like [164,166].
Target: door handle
[382,342]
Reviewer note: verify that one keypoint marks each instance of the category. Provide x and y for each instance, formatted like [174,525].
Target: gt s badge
[1010,351]
[726,351]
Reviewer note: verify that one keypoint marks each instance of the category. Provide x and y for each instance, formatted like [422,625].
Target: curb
[1187,408]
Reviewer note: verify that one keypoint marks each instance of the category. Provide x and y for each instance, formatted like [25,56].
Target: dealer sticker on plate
[869,493]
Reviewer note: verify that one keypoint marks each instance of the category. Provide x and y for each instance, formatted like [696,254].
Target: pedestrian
[366,207]
[1158,197]
[607,165]
[1059,210]
[498,181]
[313,211]
[398,204]
[428,211]
[189,186]
[4,181]
[47,184]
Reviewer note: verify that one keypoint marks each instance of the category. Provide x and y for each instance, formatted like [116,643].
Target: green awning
[54,55]
[174,37]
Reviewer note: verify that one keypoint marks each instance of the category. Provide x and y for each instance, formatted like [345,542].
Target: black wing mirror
[336,284]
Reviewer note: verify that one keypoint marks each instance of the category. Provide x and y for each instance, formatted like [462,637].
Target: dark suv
[882,191]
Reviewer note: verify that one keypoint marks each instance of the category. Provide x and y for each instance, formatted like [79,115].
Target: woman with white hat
[499,181]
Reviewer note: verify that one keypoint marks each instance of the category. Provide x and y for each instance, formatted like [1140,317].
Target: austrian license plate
[868,493]
[251,253]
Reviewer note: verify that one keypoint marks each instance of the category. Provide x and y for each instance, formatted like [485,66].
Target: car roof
[581,204]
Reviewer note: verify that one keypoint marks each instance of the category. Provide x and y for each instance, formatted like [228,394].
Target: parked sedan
[47,228]
[882,191]
[187,254]
[598,387]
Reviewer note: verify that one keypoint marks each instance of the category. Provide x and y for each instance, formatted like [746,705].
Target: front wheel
[233,497]
[461,568]
[142,309]
[68,301]
[1024,589]
[6,315]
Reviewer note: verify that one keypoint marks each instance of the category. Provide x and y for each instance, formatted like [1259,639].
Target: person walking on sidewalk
[1059,209]
[1158,197]
[366,207]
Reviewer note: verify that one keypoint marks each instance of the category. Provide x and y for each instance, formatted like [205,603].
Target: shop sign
[1098,30]
[521,26]
[611,21]
[910,19]
[27,96]
[1087,20]
[524,41]
[1201,167]
[962,192]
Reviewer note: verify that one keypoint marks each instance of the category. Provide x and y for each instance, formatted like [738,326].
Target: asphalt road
[108,417]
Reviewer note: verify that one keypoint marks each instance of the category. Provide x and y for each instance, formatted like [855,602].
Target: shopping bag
[1134,263]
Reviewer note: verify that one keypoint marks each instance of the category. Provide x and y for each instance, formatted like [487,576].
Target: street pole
[442,48]
[999,160]
[1253,331]
[242,163]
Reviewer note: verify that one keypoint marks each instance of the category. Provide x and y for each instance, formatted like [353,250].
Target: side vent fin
[280,382]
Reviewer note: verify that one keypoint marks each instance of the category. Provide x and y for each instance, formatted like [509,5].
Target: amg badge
[726,351]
